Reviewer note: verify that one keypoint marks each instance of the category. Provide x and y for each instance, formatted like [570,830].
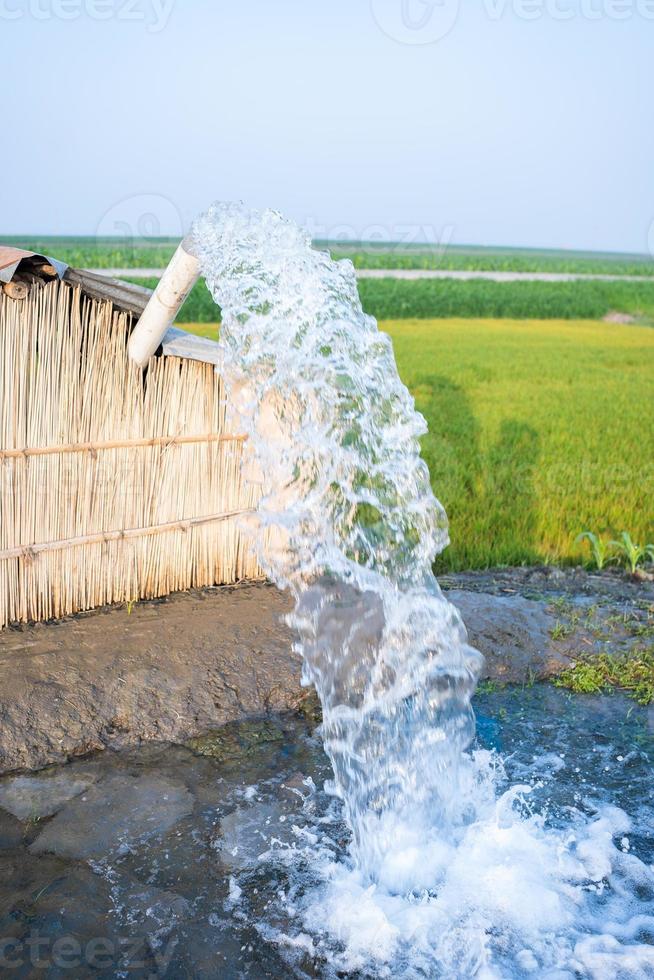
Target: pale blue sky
[529,122]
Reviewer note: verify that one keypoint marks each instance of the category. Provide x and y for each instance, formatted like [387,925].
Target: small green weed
[562,605]
[631,672]
[599,548]
[488,687]
[560,630]
[623,549]
[631,553]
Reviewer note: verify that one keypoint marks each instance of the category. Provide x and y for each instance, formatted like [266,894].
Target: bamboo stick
[33,550]
[119,444]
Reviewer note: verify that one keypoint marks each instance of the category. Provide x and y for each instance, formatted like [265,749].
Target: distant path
[495,276]
[129,273]
[427,274]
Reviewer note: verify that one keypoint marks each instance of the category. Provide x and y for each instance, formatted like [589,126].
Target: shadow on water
[488,492]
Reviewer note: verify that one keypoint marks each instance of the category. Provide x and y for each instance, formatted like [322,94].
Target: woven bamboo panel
[115,484]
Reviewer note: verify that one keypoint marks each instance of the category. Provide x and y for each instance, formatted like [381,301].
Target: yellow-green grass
[209,330]
[538,429]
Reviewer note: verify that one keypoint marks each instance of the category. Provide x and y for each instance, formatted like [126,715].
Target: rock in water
[114,813]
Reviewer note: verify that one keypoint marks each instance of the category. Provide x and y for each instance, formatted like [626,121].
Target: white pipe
[164,304]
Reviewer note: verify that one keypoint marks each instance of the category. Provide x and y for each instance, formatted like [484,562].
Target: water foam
[443,874]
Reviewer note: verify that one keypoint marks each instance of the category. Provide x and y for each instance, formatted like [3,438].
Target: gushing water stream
[334,434]
[443,877]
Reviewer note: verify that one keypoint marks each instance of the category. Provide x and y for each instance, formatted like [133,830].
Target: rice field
[391,299]
[480,259]
[537,430]
[153,252]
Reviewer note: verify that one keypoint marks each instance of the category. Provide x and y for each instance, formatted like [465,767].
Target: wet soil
[176,668]
[173,861]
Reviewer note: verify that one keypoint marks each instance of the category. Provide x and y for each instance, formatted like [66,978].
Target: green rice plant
[476,298]
[101,253]
[426,298]
[600,549]
[632,553]
[154,252]
[389,255]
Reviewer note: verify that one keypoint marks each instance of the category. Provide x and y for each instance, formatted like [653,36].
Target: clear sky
[514,122]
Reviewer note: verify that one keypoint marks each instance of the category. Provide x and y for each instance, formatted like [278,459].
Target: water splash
[334,435]
[444,877]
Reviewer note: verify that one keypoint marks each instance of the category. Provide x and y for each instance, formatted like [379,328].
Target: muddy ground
[178,667]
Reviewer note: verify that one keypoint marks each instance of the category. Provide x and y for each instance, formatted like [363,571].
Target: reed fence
[115,484]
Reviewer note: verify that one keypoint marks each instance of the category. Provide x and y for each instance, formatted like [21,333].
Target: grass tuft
[632,672]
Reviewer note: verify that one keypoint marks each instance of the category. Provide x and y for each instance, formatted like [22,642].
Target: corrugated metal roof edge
[11,258]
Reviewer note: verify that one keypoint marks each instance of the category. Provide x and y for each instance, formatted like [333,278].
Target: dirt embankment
[175,668]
